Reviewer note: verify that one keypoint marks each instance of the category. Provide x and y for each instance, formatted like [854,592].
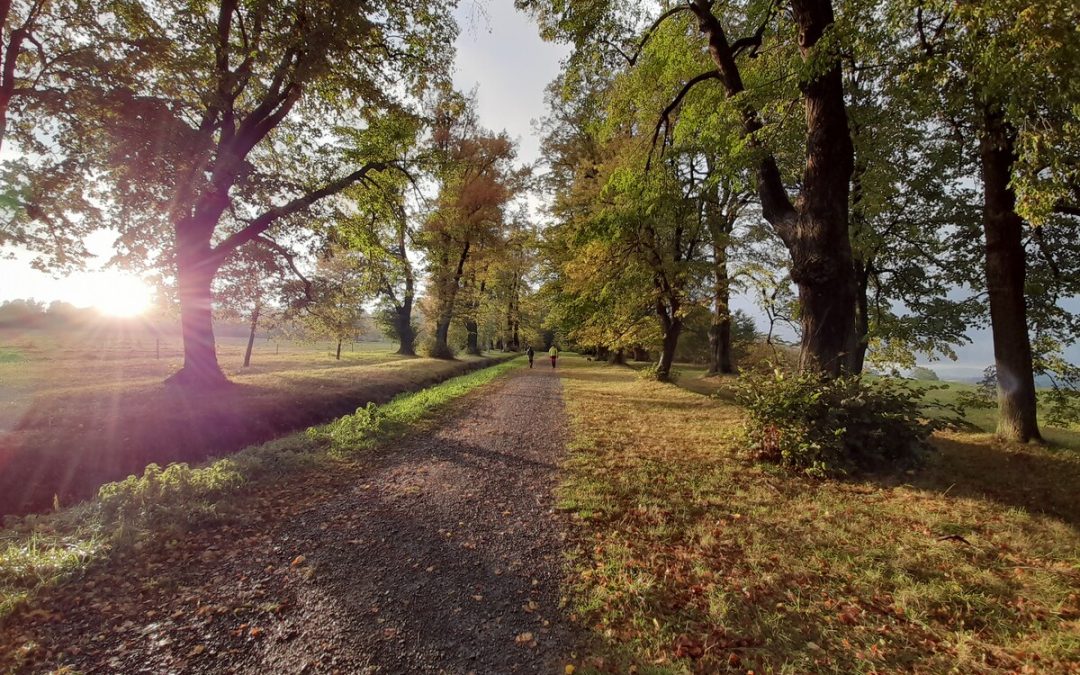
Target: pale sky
[500,54]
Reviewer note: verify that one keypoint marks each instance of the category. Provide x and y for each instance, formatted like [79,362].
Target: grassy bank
[691,558]
[162,503]
[70,422]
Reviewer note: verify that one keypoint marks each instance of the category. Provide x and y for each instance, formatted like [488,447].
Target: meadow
[691,556]
[81,409]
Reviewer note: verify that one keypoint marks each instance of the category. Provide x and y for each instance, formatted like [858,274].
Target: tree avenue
[915,142]
[880,177]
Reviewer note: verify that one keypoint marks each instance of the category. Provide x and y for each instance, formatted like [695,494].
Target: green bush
[826,426]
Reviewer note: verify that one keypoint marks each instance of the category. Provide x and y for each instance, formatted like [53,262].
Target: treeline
[271,162]
[908,168]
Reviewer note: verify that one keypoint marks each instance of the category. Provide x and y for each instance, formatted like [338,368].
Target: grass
[36,551]
[688,557]
[79,413]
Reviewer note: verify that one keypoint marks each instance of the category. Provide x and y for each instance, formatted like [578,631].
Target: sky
[501,56]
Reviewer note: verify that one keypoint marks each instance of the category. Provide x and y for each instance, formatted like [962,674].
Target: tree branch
[664,123]
[260,224]
[631,60]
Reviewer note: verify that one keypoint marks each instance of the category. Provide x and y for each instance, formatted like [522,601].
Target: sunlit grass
[40,550]
[692,558]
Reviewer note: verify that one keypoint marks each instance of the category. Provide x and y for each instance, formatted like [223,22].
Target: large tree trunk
[448,291]
[338,354]
[403,325]
[1005,272]
[618,357]
[820,245]
[251,335]
[194,275]
[816,231]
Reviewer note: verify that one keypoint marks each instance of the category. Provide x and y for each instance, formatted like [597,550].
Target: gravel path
[441,554]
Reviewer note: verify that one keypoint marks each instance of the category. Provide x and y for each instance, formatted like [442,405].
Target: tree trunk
[720,330]
[472,342]
[1005,273]
[672,329]
[617,358]
[857,361]
[338,354]
[442,338]
[403,325]
[815,231]
[251,335]
[194,275]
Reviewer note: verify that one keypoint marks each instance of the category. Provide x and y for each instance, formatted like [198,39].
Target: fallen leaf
[298,561]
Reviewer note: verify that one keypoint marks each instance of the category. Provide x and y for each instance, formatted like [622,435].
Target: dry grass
[691,558]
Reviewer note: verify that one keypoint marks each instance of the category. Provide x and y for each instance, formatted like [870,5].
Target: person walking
[530,353]
[554,354]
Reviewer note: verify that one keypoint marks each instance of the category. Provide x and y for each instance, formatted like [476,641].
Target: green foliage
[652,372]
[824,426]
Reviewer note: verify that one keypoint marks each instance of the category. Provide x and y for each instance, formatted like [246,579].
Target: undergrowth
[38,550]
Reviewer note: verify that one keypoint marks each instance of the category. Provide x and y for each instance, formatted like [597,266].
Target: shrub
[826,426]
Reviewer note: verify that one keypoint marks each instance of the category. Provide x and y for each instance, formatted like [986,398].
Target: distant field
[77,412]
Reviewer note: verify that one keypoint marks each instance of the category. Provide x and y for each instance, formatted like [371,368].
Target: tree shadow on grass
[69,445]
[1036,479]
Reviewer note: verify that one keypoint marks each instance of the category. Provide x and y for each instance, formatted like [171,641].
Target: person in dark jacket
[530,353]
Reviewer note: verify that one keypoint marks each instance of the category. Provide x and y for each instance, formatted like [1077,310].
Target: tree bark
[672,330]
[617,358]
[195,272]
[406,335]
[857,362]
[472,342]
[1005,275]
[251,335]
[448,297]
[338,354]
[720,330]
[815,231]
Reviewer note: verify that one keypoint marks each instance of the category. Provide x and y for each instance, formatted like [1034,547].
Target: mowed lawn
[690,557]
[81,411]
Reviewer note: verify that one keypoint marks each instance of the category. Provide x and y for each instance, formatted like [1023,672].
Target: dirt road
[440,553]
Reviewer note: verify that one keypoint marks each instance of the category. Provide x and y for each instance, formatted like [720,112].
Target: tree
[1003,76]
[382,231]
[250,285]
[232,122]
[338,291]
[813,227]
[476,180]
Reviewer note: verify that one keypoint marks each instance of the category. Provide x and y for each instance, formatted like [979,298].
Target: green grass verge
[690,557]
[39,550]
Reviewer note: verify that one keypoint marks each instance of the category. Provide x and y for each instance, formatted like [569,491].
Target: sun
[119,294]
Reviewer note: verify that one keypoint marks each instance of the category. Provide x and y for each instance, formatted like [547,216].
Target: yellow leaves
[526,639]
